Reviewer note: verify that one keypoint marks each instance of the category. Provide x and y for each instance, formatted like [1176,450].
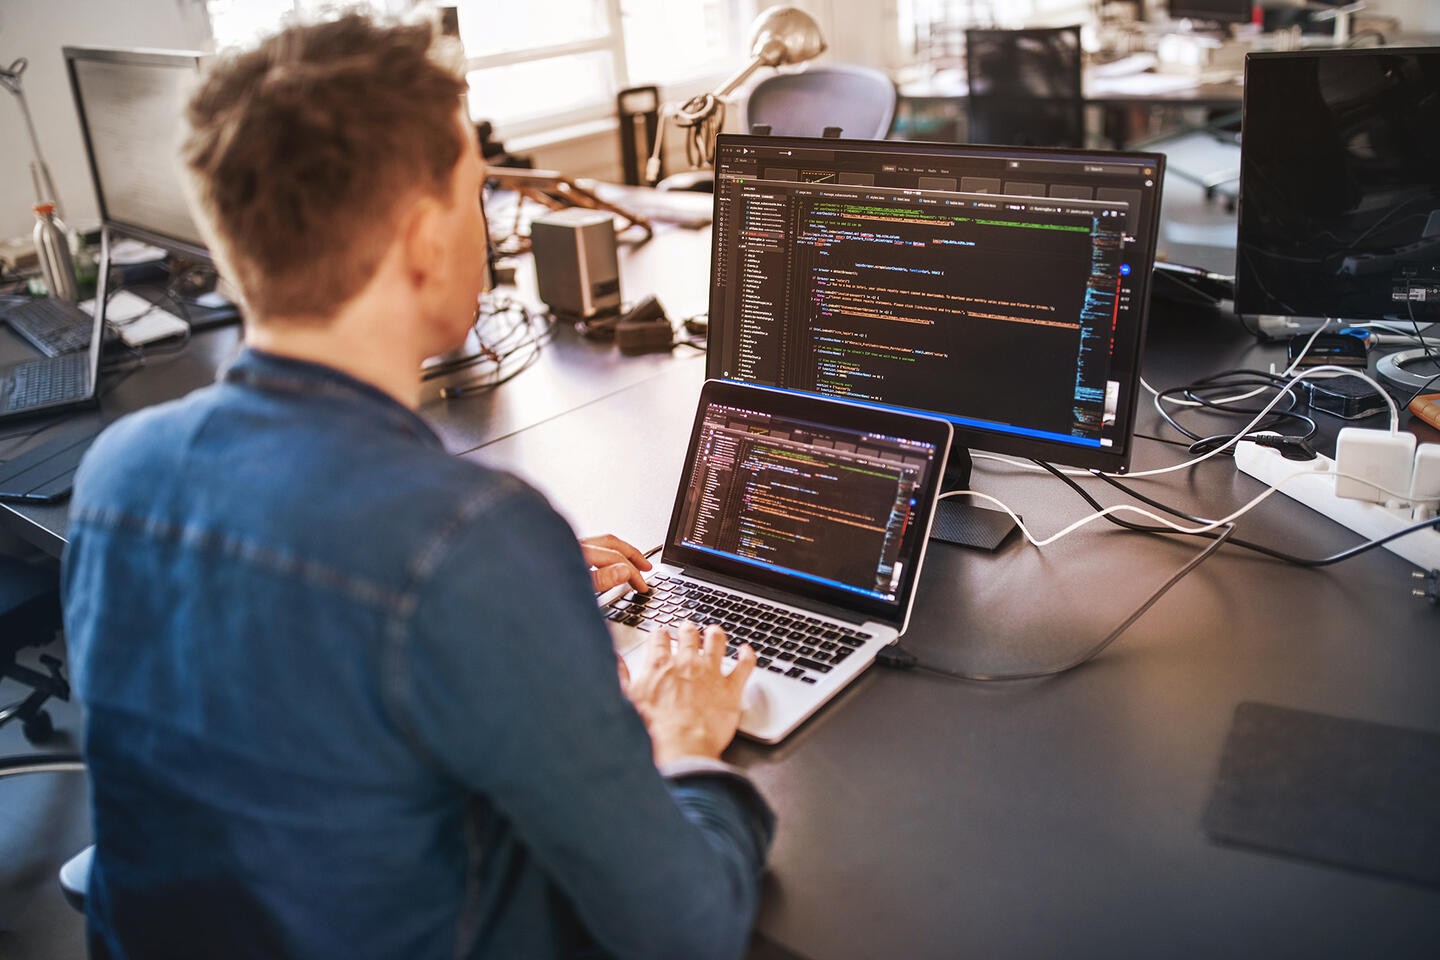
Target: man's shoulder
[214,461]
[139,445]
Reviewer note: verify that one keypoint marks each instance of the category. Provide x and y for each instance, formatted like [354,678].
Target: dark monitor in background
[1340,185]
[131,103]
[1002,288]
[1211,11]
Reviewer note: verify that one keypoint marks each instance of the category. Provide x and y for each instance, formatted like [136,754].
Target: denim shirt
[348,696]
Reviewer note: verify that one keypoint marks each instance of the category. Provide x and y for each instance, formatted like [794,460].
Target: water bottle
[52,246]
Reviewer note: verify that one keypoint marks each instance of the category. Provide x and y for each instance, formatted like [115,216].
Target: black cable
[1226,381]
[1410,310]
[895,656]
[1423,387]
[1280,555]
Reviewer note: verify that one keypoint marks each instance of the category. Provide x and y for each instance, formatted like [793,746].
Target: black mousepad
[1344,792]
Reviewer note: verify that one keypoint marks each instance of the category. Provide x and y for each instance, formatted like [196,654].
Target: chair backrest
[858,100]
[1025,87]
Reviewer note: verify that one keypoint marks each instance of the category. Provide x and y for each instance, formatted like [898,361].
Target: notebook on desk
[799,526]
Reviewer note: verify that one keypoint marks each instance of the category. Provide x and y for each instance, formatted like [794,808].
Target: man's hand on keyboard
[689,706]
[613,562]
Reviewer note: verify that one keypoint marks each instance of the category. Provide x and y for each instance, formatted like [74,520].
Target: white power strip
[1317,491]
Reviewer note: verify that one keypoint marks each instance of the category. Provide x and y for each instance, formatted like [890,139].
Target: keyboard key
[794,672]
[785,655]
[809,664]
[807,679]
[807,651]
[770,651]
[774,669]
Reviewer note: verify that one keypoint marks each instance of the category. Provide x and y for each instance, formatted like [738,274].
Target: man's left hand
[613,562]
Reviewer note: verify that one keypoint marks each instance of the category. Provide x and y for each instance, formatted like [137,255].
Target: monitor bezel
[1244,296]
[135,57]
[1114,459]
[782,403]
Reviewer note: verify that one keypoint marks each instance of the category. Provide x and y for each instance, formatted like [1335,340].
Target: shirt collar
[273,373]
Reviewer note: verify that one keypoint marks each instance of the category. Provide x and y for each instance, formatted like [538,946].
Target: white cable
[1240,435]
[1128,508]
[1253,393]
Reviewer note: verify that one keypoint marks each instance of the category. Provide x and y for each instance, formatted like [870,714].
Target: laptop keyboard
[786,641]
[52,328]
[38,383]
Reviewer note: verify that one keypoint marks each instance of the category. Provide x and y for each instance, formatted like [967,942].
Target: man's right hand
[690,708]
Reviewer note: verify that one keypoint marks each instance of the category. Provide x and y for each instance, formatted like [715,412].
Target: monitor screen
[131,104]
[1340,184]
[1002,288]
[809,496]
[1216,11]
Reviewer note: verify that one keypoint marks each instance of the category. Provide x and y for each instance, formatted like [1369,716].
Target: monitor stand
[962,523]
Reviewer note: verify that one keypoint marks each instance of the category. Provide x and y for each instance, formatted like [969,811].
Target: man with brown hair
[348,696]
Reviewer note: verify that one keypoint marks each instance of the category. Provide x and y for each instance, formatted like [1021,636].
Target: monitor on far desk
[1211,11]
[1004,289]
[130,104]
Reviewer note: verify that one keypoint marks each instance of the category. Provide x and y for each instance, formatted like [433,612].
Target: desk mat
[1344,792]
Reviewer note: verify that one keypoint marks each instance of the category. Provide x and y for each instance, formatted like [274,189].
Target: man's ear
[422,241]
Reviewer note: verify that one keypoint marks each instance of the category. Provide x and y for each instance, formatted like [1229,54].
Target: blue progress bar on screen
[957,420]
[786,570]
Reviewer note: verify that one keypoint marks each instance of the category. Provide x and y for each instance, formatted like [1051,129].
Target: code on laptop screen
[824,504]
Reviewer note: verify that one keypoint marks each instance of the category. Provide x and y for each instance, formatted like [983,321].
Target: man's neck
[368,345]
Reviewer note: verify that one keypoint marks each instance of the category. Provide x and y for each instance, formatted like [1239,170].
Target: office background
[876,33]
[1108,768]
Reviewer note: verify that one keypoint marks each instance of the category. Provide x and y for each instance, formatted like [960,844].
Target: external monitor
[131,103]
[1212,11]
[1340,185]
[1003,288]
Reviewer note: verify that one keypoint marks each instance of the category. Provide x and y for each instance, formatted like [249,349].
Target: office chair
[75,872]
[30,617]
[858,100]
[1024,87]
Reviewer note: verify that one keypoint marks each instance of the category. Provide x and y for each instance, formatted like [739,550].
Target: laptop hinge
[781,596]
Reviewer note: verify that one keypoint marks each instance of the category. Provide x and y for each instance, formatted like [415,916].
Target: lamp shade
[784,35]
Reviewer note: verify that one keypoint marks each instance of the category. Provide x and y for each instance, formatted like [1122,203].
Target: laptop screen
[827,500]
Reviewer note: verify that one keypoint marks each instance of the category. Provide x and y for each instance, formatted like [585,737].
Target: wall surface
[36,30]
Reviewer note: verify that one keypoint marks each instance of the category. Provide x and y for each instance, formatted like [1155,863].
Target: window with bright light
[668,42]
[535,65]
[238,23]
[554,62]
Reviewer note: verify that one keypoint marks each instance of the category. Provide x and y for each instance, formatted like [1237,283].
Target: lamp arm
[739,77]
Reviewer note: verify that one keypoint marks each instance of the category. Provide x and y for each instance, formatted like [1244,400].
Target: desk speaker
[577,267]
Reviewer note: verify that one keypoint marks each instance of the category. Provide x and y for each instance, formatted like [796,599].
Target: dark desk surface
[921,817]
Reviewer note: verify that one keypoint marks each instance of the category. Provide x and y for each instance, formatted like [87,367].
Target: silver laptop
[800,526]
